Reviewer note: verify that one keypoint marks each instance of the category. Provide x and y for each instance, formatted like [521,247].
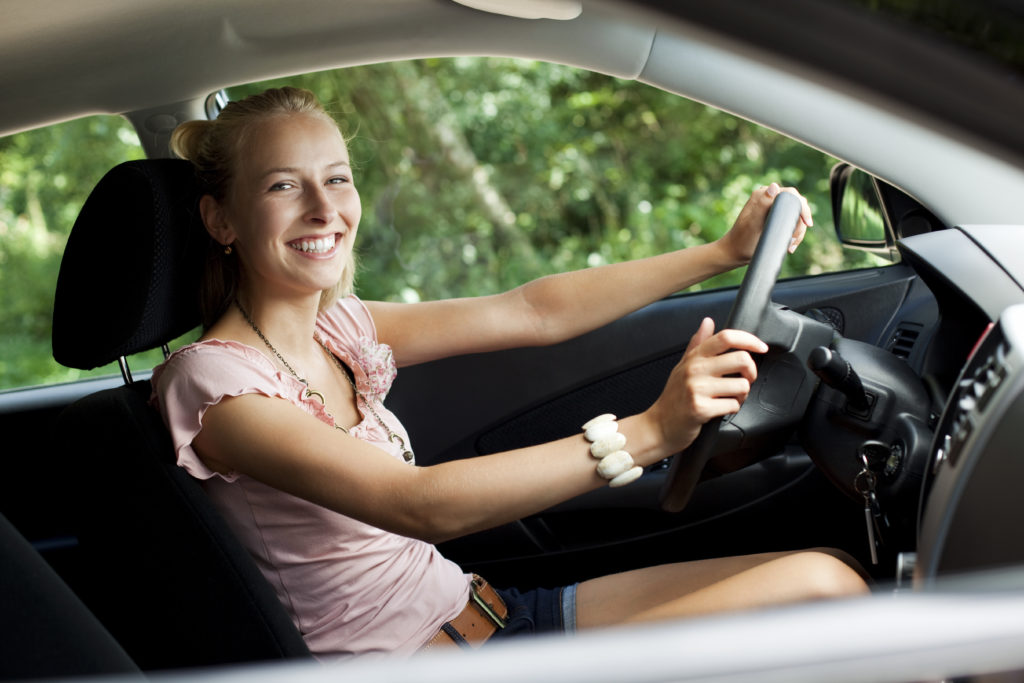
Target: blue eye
[337,180]
[280,186]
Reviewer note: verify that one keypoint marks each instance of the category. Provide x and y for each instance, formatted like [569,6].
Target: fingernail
[772,190]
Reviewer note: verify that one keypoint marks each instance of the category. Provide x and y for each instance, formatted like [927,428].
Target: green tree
[45,176]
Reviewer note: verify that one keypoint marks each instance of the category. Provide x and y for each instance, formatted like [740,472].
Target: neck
[287,323]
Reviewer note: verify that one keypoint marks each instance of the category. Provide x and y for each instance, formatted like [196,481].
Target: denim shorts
[540,610]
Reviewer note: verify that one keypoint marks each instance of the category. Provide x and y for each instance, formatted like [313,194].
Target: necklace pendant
[317,394]
[409,457]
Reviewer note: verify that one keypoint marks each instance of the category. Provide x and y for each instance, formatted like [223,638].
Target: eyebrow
[292,169]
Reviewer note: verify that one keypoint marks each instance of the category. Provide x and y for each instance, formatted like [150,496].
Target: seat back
[163,572]
[47,631]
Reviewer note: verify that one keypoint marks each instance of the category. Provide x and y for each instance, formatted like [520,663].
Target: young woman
[278,410]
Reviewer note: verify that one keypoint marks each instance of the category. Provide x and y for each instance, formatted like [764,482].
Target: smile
[320,245]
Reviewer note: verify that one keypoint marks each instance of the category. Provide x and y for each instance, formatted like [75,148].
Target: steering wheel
[782,391]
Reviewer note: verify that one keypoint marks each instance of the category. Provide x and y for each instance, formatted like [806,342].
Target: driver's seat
[165,575]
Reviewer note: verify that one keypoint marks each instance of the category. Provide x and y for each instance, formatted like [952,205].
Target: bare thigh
[688,589]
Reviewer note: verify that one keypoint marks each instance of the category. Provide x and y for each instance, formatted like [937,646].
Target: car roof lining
[156,52]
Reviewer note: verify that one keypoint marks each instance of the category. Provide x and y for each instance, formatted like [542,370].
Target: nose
[320,209]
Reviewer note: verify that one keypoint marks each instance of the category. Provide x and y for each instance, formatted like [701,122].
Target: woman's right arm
[274,442]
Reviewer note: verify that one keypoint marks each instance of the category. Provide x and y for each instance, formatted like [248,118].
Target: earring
[227,250]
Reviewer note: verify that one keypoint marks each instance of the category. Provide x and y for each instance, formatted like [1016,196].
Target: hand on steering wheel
[740,243]
[712,380]
[777,402]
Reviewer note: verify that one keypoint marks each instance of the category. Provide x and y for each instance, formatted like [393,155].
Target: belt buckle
[481,604]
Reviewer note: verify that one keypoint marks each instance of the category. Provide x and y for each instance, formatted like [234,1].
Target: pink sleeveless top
[351,588]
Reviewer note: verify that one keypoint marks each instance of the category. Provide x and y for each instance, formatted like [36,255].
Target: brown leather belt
[485,613]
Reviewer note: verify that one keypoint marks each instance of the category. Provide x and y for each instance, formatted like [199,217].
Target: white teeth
[320,245]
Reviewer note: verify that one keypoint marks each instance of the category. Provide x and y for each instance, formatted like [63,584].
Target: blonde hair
[212,148]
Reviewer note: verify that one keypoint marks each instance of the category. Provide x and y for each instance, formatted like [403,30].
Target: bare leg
[689,589]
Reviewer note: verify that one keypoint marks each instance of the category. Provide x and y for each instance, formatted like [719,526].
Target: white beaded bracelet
[606,444]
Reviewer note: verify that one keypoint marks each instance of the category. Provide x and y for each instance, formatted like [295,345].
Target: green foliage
[476,175]
[45,176]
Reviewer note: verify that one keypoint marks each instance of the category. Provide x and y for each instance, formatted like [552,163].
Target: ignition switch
[883,458]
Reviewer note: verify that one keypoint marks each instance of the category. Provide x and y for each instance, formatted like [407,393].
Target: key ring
[865,481]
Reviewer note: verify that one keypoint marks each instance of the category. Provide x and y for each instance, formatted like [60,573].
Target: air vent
[903,339]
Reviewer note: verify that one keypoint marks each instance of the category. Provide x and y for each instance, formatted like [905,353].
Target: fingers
[710,405]
[805,220]
[771,191]
[727,340]
[720,365]
[798,236]
[737,363]
[703,333]
[712,379]
[710,396]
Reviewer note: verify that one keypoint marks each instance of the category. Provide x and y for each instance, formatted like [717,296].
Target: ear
[215,220]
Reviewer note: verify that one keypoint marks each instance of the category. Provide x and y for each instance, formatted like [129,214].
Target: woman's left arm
[562,306]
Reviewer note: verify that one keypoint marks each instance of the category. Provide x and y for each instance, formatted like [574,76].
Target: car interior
[882,423]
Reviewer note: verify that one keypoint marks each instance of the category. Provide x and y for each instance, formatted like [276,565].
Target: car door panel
[487,403]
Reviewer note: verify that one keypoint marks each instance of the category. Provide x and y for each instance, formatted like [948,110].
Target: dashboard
[971,501]
[969,506]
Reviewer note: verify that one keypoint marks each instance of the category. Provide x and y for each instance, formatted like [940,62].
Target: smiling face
[291,211]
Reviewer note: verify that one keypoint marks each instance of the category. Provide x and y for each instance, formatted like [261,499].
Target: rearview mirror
[861,222]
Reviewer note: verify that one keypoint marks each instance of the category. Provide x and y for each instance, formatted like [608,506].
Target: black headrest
[129,280]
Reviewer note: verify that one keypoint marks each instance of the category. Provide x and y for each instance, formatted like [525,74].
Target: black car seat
[47,631]
[164,573]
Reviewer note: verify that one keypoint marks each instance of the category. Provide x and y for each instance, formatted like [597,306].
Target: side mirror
[860,219]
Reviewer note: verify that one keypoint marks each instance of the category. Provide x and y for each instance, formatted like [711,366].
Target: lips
[319,245]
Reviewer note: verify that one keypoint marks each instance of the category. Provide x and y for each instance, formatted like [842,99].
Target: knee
[828,573]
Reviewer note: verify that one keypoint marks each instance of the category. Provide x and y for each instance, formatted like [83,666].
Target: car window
[477,174]
[45,176]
